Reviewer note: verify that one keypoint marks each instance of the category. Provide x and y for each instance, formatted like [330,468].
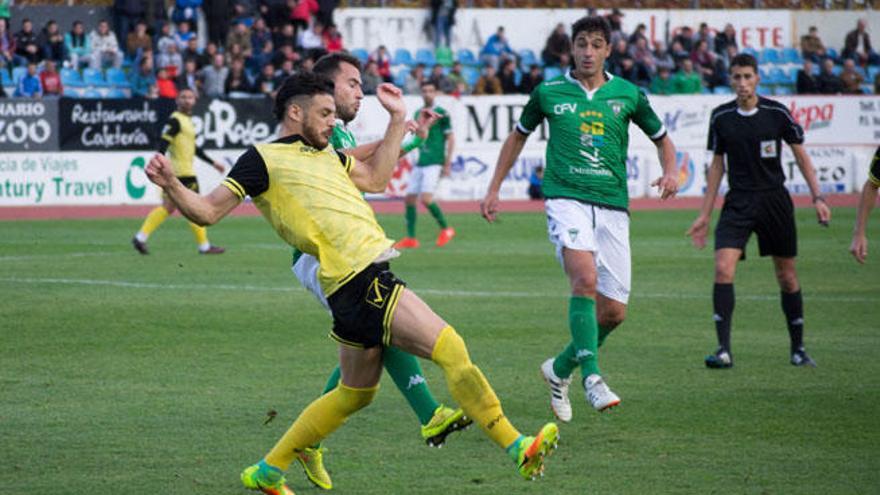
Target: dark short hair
[592,24]
[427,82]
[329,64]
[744,60]
[300,84]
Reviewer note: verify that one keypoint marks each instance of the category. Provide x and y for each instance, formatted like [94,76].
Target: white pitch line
[427,291]
[26,257]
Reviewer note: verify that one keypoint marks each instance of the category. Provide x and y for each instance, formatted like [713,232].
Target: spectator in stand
[142,78]
[125,14]
[685,39]
[285,71]
[619,51]
[265,81]
[275,12]
[641,33]
[412,83]
[877,84]
[51,43]
[4,12]
[859,37]
[812,47]
[285,35]
[679,54]
[307,63]
[285,54]
[301,12]
[186,11]
[724,39]
[77,45]
[234,52]
[536,179]
[383,62]
[164,38]
[557,49]
[457,79]
[807,83]
[332,39]
[29,84]
[687,81]
[191,52]
[27,48]
[7,44]
[156,16]
[531,79]
[214,77]
[245,11]
[643,58]
[171,61]
[662,83]
[507,76]
[704,63]
[705,34]
[496,49]
[662,58]
[260,35]
[189,78]
[371,79]
[165,84]
[50,79]
[207,55]
[241,36]
[105,47]
[440,81]
[851,78]
[442,20]
[615,21]
[217,19]
[488,83]
[237,82]
[182,36]
[829,82]
[730,52]
[311,39]
[261,58]
[138,40]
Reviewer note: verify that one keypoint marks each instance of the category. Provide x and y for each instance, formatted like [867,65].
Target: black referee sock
[793,307]
[723,301]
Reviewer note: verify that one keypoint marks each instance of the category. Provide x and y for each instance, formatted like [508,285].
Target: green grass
[154,375]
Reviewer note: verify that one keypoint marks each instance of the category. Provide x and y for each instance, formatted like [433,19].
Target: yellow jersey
[307,196]
[181,137]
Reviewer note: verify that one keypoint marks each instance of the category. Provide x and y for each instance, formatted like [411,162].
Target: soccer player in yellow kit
[311,195]
[179,139]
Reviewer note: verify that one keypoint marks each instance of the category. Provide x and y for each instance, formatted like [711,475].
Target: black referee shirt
[753,143]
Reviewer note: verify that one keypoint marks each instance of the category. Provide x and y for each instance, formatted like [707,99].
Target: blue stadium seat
[400,76]
[425,56]
[361,54]
[71,78]
[837,70]
[722,90]
[471,74]
[18,73]
[551,72]
[777,76]
[764,72]
[72,92]
[5,78]
[831,52]
[466,57]
[791,75]
[791,55]
[94,77]
[764,90]
[872,73]
[117,78]
[770,56]
[116,93]
[92,93]
[751,51]
[782,89]
[402,56]
[527,58]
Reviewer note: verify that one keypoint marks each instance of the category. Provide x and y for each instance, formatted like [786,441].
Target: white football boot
[559,402]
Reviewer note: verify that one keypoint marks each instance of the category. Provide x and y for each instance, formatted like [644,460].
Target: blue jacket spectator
[143,78]
[29,85]
[77,45]
[496,49]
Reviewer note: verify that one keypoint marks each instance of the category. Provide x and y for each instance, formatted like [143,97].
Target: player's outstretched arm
[699,230]
[373,175]
[859,245]
[510,150]
[805,164]
[202,210]
[668,183]
[419,128]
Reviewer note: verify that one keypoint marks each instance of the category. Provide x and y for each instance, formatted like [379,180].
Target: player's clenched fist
[159,170]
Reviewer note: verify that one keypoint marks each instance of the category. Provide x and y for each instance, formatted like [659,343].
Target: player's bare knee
[583,285]
[788,281]
[724,272]
[612,318]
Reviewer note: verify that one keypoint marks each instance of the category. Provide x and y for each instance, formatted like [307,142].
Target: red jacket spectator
[165,84]
[383,62]
[51,80]
[332,39]
[301,14]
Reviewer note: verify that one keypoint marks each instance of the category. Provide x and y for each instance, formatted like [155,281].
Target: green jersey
[433,149]
[342,138]
[589,136]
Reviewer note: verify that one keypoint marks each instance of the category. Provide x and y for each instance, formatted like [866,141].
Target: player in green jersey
[585,186]
[435,160]
[437,420]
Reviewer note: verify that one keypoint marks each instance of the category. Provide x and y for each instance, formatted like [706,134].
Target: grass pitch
[155,375]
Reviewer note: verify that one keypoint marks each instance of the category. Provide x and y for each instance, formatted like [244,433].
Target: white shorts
[602,231]
[424,179]
[306,271]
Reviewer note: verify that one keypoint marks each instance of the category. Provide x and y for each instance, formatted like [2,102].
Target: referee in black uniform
[749,131]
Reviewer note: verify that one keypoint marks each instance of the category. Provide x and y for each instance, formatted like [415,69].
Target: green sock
[584,334]
[604,332]
[565,362]
[332,383]
[407,374]
[437,214]
[410,220]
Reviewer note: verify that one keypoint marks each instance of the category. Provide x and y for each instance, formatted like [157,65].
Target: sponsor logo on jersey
[561,108]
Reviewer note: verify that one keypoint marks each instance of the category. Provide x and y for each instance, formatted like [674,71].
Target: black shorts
[364,307]
[770,214]
[188,182]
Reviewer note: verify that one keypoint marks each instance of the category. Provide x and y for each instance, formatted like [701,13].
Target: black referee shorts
[769,214]
[363,308]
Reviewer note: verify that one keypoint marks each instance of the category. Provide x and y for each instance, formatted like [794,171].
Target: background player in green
[859,245]
[437,420]
[435,160]
[585,183]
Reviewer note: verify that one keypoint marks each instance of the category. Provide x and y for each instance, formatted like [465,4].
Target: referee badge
[768,149]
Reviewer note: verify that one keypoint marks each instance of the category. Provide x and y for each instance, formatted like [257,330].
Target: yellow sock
[470,389]
[323,416]
[154,220]
[201,234]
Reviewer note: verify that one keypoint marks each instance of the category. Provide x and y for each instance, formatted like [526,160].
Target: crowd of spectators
[250,46]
